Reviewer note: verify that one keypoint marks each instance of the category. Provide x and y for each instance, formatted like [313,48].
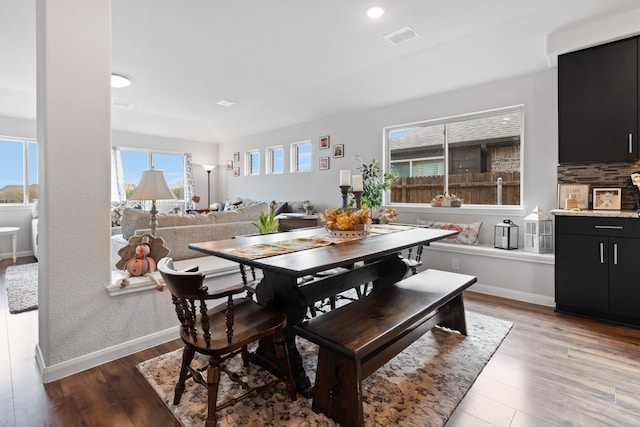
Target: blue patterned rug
[420,387]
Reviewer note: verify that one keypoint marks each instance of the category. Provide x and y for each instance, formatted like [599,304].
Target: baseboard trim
[514,295]
[82,363]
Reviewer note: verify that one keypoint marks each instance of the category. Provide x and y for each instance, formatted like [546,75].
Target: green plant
[266,223]
[374,182]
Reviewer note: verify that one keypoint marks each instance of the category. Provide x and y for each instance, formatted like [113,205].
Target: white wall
[361,133]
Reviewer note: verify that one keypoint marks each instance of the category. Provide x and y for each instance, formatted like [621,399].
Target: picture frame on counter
[581,192]
[607,198]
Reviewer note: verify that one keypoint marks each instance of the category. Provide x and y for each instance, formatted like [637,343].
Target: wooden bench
[357,339]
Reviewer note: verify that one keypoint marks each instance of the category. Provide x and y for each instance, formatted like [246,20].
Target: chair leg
[285,365]
[187,357]
[213,379]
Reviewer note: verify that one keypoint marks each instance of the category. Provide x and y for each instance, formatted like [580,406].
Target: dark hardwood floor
[552,369]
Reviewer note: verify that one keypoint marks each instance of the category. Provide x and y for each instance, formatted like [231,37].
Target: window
[482,154]
[301,156]
[18,171]
[134,162]
[252,162]
[275,160]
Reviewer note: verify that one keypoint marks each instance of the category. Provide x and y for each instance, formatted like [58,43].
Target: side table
[13,231]
[287,222]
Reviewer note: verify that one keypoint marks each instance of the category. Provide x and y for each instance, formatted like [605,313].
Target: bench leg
[455,318]
[338,391]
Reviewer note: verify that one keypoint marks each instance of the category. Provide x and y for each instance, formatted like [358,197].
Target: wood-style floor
[552,369]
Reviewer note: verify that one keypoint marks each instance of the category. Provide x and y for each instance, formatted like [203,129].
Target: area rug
[21,283]
[420,387]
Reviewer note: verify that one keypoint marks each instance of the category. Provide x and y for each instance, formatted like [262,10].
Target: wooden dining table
[301,267]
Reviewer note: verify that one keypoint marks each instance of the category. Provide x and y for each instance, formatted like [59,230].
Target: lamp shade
[152,186]
[209,168]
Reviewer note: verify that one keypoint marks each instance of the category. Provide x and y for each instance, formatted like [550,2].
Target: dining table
[304,266]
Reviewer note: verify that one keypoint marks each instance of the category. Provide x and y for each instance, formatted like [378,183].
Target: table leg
[281,294]
[15,242]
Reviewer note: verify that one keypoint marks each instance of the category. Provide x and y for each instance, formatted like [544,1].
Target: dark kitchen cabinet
[598,112]
[597,267]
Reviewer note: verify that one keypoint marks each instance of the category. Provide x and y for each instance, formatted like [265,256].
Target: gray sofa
[179,230]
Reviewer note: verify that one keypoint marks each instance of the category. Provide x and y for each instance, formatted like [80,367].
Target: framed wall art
[230,164]
[324,142]
[236,156]
[580,191]
[324,163]
[236,171]
[338,150]
[607,198]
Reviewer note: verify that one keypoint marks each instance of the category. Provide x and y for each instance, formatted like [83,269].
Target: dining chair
[221,332]
[413,259]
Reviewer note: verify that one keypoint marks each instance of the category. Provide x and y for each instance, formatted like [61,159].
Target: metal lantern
[538,232]
[505,235]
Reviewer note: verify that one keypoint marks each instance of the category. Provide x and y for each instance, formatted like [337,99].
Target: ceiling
[285,62]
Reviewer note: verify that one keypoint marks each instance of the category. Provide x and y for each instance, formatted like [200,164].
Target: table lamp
[152,186]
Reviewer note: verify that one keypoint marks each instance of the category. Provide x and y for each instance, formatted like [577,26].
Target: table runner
[264,250]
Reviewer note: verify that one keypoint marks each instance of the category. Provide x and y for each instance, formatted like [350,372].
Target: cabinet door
[597,103]
[624,280]
[582,273]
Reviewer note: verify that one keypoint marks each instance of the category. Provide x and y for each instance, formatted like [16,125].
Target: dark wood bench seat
[357,339]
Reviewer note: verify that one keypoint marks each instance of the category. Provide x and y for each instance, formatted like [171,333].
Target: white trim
[513,295]
[91,360]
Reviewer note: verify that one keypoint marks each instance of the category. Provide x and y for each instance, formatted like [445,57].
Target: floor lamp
[208,168]
[152,186]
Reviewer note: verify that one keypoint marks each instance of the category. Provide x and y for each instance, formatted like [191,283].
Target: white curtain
[189,185]
[117,177]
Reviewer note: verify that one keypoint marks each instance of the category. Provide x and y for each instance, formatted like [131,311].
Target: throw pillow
[281,208]
[467,233]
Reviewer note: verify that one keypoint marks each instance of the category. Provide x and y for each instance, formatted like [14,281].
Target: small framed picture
[338,150]
[230,164]
[607,198]
[324,142]
[324,163]
[236,171]
[581,192]
[236,156]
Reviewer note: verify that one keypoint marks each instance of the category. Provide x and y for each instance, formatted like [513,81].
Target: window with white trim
[477,157]
[274,160]
[136,161]
[252,162]
[301,156]
[18,171]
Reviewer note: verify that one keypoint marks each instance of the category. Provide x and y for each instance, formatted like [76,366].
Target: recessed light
[118,81]
[375,12]
[225,103]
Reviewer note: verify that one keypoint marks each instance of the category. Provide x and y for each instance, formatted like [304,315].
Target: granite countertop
[598,213]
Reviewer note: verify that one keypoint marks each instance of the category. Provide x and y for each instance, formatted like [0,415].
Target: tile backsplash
[605,175]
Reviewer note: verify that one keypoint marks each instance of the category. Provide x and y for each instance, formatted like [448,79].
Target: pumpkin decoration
[141,263]
[138,258]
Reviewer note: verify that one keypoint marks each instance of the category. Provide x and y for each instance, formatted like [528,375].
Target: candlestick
[345,177]
[357,183]
[345,194]
[358,197]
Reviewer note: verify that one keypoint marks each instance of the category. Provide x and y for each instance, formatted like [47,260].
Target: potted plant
[266,223]
[374,183]
[308,207]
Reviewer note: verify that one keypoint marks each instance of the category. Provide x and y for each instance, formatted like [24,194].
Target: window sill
[210,266]
[491,252]
[463,210]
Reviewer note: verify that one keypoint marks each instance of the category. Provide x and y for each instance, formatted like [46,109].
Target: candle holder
[358,197]
[345,195]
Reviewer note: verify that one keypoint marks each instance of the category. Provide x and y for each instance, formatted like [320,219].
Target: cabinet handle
[615,254]
[601,253]
[610,227]
[630,143]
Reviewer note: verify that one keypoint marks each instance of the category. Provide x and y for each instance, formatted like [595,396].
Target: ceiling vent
[401,35]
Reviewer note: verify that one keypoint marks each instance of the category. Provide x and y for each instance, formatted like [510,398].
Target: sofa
[178,230]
